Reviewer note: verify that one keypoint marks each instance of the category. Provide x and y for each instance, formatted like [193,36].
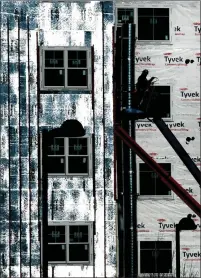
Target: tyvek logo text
[189,255]
[166,227]
[170,227]
[145,127]
[149,126]
[198,58]
[178,31]
[177,126]
[189,96]
[191,191]
[143,60]
[197,28]
[196,159]
[173,61]
[141,227]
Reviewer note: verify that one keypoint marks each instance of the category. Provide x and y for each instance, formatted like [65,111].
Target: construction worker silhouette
[142,86]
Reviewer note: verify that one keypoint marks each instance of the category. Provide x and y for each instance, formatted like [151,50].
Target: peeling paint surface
[79,24]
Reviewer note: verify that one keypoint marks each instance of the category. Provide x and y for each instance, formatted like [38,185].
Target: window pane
[59,54]
[78,146]
[147,245]
[145,12]
[147,183]
[77,63]
[144,167]
[162,90]
[78,165]
[164,245]
[79,252]
[161,12]
[77,59]
[54,63]
[82,54]
[164,261]
[77,77]
[162,102]
[56,233]
[54,58]
[165,106]
[56,146]
[150,182]
[72,54]
[147,261]
[161,28]
[162,188]
[166,166]
[49,54]
[125,15]
[56,165]
[54,77]
[78,233]
[56,252]
[145,28]
[77,54]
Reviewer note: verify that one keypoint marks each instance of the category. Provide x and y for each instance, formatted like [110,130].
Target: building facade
[29,105]
[168,33]
[56,65]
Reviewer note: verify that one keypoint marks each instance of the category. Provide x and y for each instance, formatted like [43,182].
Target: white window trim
[148,274]
[90,242]
[170,119]
[65,67]
[143,42]
[89,154]
[153,197]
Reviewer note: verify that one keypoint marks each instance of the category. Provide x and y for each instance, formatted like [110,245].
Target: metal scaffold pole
[126,159]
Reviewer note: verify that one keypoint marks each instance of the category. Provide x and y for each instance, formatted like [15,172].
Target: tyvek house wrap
[156,216]
[72,29]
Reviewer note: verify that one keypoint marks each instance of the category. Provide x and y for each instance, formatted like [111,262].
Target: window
[150,183]
[155,257]
[163,101]
[65,68]
[152,24]
[125,16]
[70,242]
[70,156]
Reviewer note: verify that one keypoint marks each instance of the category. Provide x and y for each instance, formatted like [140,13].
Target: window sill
[68,175]
[68,263]
[154,42]
[57,263]
[155,275]
[164,119]
[67,92]
[76,90]
[156,198]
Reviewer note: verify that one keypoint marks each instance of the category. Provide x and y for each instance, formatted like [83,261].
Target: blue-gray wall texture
[26,111]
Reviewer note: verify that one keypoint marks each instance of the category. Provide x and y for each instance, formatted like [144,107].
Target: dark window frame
[165,107]
[81,160]
[153,18]
[67,242]
[62,75]
[163,18]
[155,256]
[154,177]
[125,11]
